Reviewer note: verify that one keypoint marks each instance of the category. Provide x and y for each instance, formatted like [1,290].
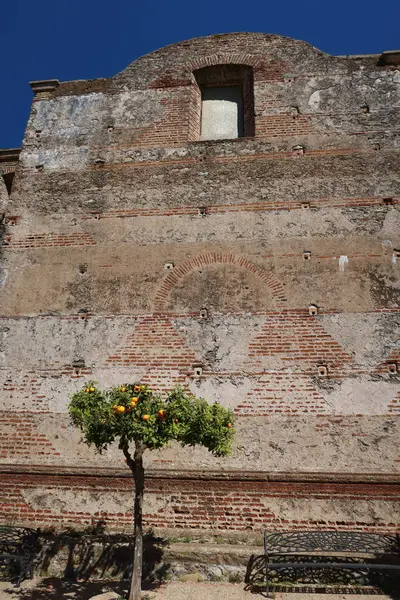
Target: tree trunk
[136,583]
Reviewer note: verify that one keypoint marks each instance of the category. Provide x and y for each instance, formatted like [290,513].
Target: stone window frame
[218,75]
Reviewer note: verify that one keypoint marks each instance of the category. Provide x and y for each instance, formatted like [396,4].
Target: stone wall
[135,251]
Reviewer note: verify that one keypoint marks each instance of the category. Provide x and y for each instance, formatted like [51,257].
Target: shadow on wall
[71,558]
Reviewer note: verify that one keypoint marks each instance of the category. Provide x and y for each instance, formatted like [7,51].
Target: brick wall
[256,230]
[282,70]
[190,504]
[21,438]
[46,240]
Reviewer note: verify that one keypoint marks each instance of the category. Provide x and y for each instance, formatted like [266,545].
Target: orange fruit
[176,421]
[137,388]
[146,417]
[123,389]
[229,425]
[161,414]
[91,389]
[121,409]
[134,400]
[86,389]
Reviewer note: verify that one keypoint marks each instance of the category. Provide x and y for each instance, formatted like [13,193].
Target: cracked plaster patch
[361,396]
[229,391]
[335,509]
[367,337]
[77,501]
[222,341]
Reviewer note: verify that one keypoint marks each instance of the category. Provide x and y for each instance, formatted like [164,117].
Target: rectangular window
[221,112]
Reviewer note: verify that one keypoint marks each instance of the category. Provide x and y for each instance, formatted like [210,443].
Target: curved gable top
[173,65]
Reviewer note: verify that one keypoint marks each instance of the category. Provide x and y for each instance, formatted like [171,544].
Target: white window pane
[222,112]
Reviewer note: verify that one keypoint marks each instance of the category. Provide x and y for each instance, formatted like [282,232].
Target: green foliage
[132,412]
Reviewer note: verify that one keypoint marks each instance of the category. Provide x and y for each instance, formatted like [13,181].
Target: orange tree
[134,417]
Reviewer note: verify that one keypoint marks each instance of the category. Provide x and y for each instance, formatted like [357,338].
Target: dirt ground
[57,589]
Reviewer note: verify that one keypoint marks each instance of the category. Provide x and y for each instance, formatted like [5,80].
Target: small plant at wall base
[133,416]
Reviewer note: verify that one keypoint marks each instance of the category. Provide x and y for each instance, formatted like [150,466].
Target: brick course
[230,506]
[46,240]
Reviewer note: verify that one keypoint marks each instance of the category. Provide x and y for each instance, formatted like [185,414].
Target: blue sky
[84,39]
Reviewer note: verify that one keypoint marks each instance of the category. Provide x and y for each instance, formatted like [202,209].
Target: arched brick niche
[219,76]
[227,282]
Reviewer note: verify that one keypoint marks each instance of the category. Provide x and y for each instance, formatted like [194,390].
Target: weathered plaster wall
[113,184]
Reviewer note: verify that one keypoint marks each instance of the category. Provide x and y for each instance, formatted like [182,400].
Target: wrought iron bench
[316,553]
[18,545]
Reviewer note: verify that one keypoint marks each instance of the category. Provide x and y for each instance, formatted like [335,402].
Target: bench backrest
[292,542]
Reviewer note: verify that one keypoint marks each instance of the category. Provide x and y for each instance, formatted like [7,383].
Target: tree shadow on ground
[83,562]
[55,588]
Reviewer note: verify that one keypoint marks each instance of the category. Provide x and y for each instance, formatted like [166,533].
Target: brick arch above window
[182,75]
[240,58]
